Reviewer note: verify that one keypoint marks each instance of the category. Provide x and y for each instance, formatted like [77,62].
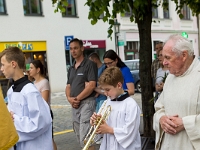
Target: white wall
[163,28]
[52,28]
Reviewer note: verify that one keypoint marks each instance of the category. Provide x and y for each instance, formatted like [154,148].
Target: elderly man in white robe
[177,117]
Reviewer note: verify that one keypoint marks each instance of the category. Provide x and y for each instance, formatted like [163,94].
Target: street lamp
[117,30]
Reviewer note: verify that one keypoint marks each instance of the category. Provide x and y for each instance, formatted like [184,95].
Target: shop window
[32,7]
[166,11]
[30,56]
[2,7]
[70,10]
[154,48]
[186,12]
[131,50]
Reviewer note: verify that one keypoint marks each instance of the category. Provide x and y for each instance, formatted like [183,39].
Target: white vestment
[125,121]
[31,118]
[181,96]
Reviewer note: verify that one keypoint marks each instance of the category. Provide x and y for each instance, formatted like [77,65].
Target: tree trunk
[145,53]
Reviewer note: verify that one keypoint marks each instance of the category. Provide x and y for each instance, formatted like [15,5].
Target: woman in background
[42,84]
[161,74]
[110,58]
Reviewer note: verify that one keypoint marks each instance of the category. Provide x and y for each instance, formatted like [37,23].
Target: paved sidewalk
[63,133]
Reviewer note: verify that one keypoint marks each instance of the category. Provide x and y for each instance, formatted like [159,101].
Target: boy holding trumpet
[121,129]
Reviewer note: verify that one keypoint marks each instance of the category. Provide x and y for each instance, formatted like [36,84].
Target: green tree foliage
[60,5]
[141,13]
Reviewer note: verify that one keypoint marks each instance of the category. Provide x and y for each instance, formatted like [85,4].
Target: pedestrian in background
[79,94]
[30,113]
[121,129]
[110,58]
[161,75]
[156,63]
[177,117]
[37,72]
[100,97]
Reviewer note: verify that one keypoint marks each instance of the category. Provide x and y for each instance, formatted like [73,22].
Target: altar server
[30,113]
[121,129]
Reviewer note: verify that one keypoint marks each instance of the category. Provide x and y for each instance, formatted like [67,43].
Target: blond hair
[111,76]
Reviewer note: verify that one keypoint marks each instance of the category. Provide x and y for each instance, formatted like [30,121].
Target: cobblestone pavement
[63,133]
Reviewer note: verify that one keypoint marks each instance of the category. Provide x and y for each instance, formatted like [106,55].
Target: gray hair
[181,44]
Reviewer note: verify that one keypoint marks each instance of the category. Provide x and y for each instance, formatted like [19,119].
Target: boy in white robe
[121,129]
[30,113]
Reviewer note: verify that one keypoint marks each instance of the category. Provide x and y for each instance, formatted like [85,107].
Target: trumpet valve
[85,141]
[97,120]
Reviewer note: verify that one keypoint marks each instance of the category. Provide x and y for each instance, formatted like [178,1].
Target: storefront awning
[27,46]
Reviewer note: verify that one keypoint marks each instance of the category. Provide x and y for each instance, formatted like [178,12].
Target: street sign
[184,34]
[120,43]
[67,40]
[122,37]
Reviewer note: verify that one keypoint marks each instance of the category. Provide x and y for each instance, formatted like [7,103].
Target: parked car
[133,65]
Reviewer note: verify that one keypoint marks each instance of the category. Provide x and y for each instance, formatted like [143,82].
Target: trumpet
[91,136]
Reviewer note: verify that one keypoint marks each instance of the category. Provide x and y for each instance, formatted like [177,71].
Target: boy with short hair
[121,129]
[30,113]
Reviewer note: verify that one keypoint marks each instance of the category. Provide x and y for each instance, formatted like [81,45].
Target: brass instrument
[92,135]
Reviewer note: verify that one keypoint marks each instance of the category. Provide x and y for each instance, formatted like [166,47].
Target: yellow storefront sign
[25,46]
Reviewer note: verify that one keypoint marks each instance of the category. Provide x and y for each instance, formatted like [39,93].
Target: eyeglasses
[109,63]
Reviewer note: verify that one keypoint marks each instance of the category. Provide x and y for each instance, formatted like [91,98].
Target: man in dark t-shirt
[82,79]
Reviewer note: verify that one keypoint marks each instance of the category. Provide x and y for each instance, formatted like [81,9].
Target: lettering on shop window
[25,46]
[87,43]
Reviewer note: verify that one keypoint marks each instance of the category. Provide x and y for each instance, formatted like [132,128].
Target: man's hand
[74,102]
[178,121]
[168,125]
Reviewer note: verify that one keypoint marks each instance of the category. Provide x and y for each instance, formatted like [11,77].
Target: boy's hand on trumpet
[104,128]
[94,118]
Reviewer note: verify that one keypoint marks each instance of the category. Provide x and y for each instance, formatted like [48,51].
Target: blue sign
[67,40]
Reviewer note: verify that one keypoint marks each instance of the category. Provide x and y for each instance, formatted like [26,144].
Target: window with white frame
[166,11]
[155,12]
[2,7]
[32,7]
[186,12]
[70,9]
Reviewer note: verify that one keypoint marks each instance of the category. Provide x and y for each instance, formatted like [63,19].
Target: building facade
[167,22]
[42,34]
